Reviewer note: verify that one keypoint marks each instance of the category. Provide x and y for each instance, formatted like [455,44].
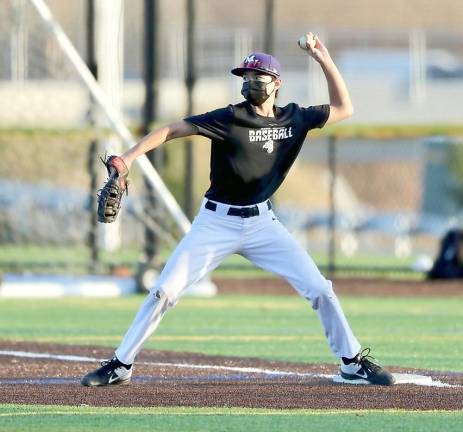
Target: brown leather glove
[110,195]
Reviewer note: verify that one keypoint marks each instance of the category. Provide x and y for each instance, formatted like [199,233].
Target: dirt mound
[186,379]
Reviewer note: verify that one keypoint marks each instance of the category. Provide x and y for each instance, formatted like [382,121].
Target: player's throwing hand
[315,48]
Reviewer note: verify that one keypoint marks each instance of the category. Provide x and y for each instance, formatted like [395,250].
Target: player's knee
[158,296]
[322,291]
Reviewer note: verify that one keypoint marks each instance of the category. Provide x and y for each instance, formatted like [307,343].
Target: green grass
[80,254]
[418,332]
[55,418]
[58,254]
[30,257]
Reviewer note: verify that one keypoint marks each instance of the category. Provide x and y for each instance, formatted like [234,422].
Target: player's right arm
[340,102]
[158,137]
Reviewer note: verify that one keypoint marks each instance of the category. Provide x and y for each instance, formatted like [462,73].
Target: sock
[348,361]
[119,363]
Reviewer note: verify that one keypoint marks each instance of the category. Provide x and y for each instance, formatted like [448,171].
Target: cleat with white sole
[111,372]
[362,370]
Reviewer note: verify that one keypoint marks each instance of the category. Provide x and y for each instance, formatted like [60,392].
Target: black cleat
[111,372]
[361,368]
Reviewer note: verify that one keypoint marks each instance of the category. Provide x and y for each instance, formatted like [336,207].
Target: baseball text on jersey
[265,134]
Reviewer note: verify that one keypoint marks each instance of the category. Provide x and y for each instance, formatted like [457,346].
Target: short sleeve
[315,116]
[214,124]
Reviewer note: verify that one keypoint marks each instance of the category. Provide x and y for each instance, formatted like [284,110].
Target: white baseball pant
[263,240]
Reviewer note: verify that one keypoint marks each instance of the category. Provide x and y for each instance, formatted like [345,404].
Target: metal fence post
[269,42]
[190,80]
[94,144]
[93,232]
[332,142]
[151,77]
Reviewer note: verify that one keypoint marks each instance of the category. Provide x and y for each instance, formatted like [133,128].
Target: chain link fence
[379,203]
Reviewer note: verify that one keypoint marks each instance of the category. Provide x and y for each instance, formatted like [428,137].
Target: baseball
[302,42]
[306,40]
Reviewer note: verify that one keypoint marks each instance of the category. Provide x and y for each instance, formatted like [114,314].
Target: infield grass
[408,332]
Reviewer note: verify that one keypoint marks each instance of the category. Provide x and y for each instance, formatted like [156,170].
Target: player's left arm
[158,137]
[340,103]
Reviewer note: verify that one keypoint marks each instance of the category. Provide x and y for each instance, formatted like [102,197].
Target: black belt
[244,212]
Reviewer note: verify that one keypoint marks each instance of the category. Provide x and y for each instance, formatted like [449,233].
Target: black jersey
[251,154]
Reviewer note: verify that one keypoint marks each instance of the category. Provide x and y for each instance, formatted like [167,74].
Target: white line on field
[241,369]
[26,354]
[420,380]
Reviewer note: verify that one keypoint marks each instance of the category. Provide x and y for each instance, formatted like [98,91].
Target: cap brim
[241,71]
[238,71]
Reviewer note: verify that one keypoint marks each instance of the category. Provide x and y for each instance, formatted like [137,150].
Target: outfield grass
[42,259]
[409,332]
[81,254]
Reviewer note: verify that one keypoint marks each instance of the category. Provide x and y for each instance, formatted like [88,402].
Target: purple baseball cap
[259,62]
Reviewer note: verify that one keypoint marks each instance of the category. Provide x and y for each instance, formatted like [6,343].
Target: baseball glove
[110,195]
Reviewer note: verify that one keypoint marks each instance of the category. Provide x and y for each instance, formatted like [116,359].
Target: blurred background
[372,196]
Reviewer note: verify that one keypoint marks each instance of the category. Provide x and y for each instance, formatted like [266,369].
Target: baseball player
[254,144]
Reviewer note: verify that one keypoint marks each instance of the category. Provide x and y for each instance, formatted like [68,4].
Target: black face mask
[255,92]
